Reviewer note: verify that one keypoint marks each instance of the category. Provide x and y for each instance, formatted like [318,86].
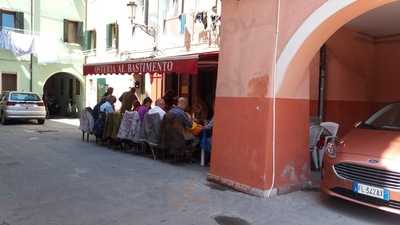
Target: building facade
[154,30]
[52,30]
[269,74]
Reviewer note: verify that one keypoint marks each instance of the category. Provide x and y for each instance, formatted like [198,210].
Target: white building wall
[164,15]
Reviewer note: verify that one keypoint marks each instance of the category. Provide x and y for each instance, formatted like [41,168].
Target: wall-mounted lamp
[150,30]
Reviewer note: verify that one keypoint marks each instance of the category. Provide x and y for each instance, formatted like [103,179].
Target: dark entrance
[61,94]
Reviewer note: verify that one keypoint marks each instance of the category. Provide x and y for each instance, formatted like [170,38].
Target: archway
[292,91]
[62,95]
[309,38]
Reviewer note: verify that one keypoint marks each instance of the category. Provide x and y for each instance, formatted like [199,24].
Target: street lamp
[132,6]
[150,30]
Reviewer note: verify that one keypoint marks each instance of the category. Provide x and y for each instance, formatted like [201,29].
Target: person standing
[109,92]
[128,99]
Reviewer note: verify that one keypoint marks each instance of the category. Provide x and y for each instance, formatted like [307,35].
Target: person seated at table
[158,108]
[179,112]
[200,112]
[144,108]
[108,106]
[170,99]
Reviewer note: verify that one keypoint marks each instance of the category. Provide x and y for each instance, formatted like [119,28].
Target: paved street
[49,176]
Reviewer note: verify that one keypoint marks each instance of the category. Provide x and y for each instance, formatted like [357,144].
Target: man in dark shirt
[179,112]
[109,92]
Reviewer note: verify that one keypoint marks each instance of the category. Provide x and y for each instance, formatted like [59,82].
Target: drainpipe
[274,96]
[31,58]
[322,82]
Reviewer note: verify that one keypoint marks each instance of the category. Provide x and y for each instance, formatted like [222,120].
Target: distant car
[21,105]
[364,167]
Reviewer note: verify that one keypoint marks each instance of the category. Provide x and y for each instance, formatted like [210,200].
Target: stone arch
[310,36]
[60,89]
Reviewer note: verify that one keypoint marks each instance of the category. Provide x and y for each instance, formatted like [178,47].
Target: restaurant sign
[187,66]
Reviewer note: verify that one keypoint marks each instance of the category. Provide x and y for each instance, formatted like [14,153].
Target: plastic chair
[333,129]
[314,137]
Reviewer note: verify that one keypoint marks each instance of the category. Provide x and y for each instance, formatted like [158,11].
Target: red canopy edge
[188,65]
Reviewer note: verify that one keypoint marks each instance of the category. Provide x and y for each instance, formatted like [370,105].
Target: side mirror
[357,124]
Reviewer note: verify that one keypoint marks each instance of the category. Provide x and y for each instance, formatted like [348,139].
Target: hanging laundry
[202,18]
[182,19]
[215,19]
[188,39]
[19,44]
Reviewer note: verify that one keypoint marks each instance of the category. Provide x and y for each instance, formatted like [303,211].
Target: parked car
[21,105]
[364,167]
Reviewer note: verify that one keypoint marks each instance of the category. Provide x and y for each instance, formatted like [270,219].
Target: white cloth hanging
[18,43]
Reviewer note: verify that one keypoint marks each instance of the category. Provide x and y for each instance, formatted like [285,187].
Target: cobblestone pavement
[49,176]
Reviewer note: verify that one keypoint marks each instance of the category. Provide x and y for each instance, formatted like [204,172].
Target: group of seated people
[180,132]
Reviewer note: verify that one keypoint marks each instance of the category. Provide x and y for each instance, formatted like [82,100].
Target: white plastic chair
[315,135]
[333,129]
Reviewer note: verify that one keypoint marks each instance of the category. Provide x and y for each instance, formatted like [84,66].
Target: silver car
[21,105]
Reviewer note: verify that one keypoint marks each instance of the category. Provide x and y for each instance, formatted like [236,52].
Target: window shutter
[86,44]
[109,35]
[65,30]
[19,21]
[79,33]
[94,39]
[116,35]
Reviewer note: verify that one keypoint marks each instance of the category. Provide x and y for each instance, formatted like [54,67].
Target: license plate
[371,191]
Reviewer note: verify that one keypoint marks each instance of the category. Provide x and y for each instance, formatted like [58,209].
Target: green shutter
[94,39]
[65,30]
[19,20]
[79,35]
[116,35]
[109,35]
[86,44]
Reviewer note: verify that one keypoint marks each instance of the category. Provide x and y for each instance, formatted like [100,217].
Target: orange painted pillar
[245,142]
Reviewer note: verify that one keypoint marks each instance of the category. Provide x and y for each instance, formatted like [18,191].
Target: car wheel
[41,121]
[4,119]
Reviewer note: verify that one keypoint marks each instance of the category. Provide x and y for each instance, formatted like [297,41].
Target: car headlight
[331,149]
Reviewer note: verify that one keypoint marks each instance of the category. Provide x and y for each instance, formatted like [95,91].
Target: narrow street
[49,176]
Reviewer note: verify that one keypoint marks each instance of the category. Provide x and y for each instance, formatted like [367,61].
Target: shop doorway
[61,94]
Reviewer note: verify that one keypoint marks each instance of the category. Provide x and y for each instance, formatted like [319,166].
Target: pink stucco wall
[245,142]
[362,74]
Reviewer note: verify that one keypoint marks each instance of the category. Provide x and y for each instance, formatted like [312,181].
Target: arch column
[256,126]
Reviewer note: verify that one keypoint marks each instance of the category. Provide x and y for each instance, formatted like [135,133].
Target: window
[10,19]
[28,97]
[77,87]
[90,40]
[8,82]
[112,35]
[73,31]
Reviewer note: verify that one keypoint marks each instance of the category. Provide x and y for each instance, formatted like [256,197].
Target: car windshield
[386,118]
[24,97]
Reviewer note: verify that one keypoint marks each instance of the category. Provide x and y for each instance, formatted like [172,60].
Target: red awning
[179,64]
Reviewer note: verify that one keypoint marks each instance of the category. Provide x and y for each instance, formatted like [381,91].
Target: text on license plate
[371,191]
